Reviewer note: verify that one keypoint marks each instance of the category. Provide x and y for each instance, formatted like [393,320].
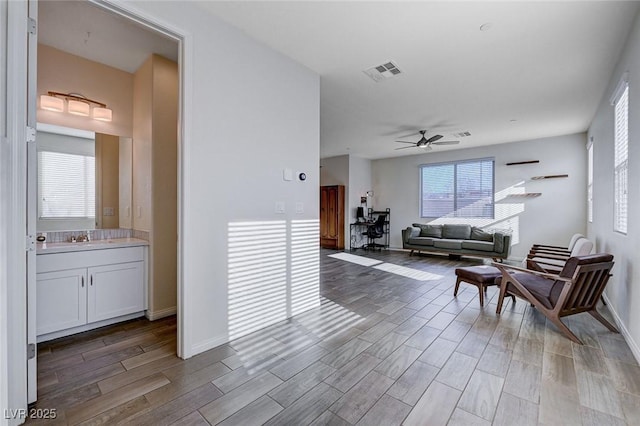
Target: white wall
[334,170]
[551,218]
[622,291]
[249,113]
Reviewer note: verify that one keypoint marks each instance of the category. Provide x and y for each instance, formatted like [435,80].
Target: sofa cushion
[481,235]
[477,245]
[456,231]
[421,241]
[448,244]
[498,242]
[434,231]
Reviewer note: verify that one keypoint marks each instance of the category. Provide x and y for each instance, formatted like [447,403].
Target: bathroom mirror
[84,179]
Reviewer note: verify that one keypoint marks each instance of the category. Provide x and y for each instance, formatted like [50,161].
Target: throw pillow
[480,234]
[433,231]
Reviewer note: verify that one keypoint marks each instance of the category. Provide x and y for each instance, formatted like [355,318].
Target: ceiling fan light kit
[425,143]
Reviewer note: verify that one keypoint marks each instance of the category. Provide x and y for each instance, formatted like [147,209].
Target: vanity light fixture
[76,105]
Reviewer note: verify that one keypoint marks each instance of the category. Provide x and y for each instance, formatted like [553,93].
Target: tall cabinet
[332,217]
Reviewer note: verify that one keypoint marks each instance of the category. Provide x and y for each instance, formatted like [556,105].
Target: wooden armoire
[332,217]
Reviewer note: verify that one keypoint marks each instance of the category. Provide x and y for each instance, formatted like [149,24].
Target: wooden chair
[577,288]
[557,250]
[553,263]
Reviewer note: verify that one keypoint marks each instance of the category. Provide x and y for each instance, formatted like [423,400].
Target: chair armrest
[410,232]
[502,267]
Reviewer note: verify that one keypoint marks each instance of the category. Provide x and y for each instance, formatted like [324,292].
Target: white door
[62,300]
[115,290]
[32,176]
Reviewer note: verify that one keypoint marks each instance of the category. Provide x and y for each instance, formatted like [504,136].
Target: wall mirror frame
[69,160]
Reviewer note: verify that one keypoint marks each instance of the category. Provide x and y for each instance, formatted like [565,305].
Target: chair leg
[481,295]
[503,291]
[565,330]
[455,290]
[604,322]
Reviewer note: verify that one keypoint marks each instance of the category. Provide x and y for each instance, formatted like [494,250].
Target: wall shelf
[523,162]
[524,195]
[549,177]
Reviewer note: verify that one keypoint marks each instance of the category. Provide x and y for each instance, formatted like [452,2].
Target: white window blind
[66,185]
[621,160]
[459,189]
[590,184]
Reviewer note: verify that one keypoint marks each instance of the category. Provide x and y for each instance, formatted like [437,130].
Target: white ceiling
[85,30]
[544,64]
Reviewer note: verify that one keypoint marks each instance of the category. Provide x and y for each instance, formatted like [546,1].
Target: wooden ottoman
[480,276]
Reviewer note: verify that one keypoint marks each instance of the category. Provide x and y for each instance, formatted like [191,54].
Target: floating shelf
[525,195]
[549,177]
[523,162]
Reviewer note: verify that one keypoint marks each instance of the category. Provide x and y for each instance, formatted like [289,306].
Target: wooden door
[332,216]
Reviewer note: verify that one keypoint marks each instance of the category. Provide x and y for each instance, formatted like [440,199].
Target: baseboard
[69,331]
[208,344]
[635,349]
[152,316]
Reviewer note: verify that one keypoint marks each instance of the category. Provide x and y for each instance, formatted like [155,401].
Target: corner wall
[623,291]
[551,218]
[249,114]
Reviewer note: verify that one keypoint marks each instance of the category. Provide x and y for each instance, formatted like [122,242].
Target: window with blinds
[621,158]
[459,189]
[590,184]
[66,185]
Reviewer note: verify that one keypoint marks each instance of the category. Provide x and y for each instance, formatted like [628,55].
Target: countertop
[47,248]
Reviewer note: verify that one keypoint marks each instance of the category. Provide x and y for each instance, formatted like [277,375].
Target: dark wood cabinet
[332,217]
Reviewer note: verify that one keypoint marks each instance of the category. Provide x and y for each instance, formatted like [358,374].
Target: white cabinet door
[115,290]
[61,300]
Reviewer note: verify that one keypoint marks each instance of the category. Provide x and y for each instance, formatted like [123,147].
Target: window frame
[590,182]
[455,187]
[621,166]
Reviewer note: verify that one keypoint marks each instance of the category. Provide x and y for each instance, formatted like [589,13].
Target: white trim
[620,87]
[90,326]
[209,344]
[185,41]
[155,315]
[13,157]
[635,349]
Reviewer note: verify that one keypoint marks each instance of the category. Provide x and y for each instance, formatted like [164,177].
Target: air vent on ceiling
[383,72]
[461,134]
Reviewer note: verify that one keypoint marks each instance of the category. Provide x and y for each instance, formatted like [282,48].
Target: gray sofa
[456,239]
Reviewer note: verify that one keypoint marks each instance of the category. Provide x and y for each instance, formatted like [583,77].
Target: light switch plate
[299,207]
[280,207]
[287,174]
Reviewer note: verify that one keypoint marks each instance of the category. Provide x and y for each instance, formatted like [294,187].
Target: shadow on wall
[273,272]
[508,205]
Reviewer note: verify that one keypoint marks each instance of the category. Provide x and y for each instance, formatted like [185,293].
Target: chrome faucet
[81,238]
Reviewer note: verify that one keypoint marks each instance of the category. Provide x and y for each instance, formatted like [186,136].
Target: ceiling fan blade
[413,143]
[404,147]
[434,138]
[446,143]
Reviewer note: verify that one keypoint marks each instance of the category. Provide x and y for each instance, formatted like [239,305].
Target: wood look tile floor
[389,345]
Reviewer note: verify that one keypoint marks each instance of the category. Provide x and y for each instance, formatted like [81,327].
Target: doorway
[96,27]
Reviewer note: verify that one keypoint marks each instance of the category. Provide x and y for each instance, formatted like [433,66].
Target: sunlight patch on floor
[360,260]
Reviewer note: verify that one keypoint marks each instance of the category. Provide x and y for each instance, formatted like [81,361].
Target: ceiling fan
[425,143]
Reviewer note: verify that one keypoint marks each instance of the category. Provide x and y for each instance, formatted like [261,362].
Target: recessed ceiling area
[502,71]
[89,31]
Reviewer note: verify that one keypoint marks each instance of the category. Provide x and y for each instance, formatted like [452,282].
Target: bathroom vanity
[85,285]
